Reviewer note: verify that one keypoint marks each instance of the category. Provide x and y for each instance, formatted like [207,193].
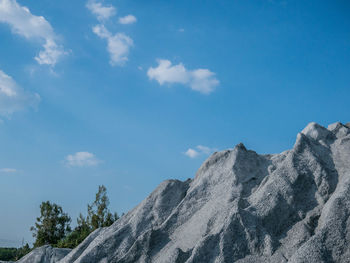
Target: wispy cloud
[118,45]
[199,150]
[24,23]
[126,20]
[13,98]
[205,149]
[81,159]
[101,12]
[8,170]
[201,80]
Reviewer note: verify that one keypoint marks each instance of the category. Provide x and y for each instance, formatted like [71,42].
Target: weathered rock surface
[242,207]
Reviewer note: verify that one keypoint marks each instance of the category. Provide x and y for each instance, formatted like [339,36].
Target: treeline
[53,227]
[13,254]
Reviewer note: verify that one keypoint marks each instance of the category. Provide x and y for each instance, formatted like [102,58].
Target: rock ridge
[242,207]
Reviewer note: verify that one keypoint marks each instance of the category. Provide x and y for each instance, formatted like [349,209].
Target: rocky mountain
[241,207]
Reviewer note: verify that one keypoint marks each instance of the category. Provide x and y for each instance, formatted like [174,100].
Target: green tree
[8,254]
[22,251]
[51,226]
[98,215]
[14,254]
[80,232]
[98,212]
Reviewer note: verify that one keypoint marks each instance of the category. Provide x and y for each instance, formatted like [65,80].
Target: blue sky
[128,93]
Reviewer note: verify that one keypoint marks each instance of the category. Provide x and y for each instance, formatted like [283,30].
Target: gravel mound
[241,207]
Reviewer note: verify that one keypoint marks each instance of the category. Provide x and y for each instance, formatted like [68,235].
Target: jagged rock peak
[339,129]
[241,146]
[317,132]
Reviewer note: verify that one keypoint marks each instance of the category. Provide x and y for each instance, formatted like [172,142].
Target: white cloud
[181,30]
[166,73]
[51,53]
[191,153]
[118,45]
[129,19]
[13,98]
[199,150]
[202,80]
[24,23]
[8,170]
[101,12]
[81,159]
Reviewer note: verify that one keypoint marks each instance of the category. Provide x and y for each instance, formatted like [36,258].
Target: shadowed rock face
[242,207]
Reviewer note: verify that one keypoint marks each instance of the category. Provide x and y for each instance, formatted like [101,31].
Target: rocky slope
[242,207]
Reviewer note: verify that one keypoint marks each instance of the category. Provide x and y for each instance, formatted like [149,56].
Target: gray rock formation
[242,207]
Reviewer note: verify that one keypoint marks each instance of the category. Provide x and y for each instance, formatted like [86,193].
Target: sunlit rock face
[242,207]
